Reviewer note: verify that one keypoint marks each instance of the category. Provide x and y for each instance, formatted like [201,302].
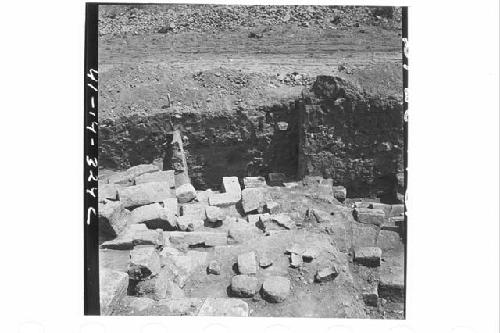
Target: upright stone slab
[231,185]
[144,194]
[134,236]
[112,287]
[175,158]
[252,199]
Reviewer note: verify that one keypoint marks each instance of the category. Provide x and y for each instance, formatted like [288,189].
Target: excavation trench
[334,130]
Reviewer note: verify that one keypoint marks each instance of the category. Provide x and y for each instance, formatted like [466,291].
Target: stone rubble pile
[172,232]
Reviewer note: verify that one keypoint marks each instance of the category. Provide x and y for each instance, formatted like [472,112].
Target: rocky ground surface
[297,249]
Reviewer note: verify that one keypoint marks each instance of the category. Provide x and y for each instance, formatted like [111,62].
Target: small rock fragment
[326,274]
[295,260]
[272,207]
[213,268]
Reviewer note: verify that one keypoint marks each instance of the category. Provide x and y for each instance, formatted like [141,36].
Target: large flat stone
[108,191]
[144,194]
[166,176]
[112,287]
[224,199]
[247,263]
[154,216]
[176,307]
[252,199]
[132,237]
[224,307]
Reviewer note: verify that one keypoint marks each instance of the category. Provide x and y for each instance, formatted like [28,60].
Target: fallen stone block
[295,248]
[198,239]
[368,256]
[291,184]
[275,289]
[320,215]
[144,262]
[185,193]
[107,191]
[283,220]
[224,307]
[242,232]
[272,207]
[189,223]
[170,205]
[213,267]
[224,199]
[369,216]
[112,287]
[391,285]
[194,210]
[244,286]
[203,196]
[166,176]
[177,307]
[276,179]
[384,207]
[132,237]
[295,260]
[364,235]
[252,199]
[144,194]
[154,216]
[214,214]
[247,264]
[397,210]
[326,274]
[339,193]
[183,265]
[141,169]
[253,219]
[113,218]
[120,178]
[253,182]
[231,185]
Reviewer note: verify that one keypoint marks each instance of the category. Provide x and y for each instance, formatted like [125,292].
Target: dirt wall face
[352,137]
[237,144]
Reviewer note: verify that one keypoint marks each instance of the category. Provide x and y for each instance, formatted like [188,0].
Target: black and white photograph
[251,160]
[249,166]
